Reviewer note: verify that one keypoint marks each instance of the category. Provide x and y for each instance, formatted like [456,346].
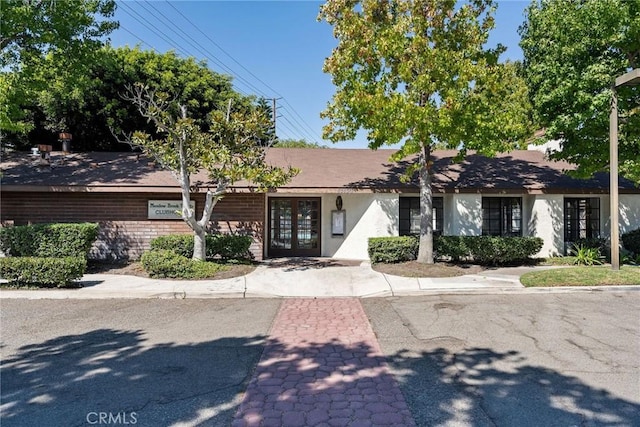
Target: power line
[224,51]
[296,128]
[243,67]
[301,119]
[138,37]
[157,32]
[149,27]
[199,47]
[301,126]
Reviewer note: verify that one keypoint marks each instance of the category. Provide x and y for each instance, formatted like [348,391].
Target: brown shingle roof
[320,170]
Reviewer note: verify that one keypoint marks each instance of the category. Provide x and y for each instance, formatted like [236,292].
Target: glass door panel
[281,226]
[294,227]
[307,224]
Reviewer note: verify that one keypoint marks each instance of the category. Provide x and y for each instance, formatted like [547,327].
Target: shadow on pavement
[479,386]
[71,379]
[306,263]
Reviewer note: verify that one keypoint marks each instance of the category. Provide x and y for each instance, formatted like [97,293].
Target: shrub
[42,271]
[453,247]
[481,249]
[48,240]
[225,246]
[393,249]
[594,243]
[229,246]
[631,241]
[181,244]
[487,249]
[586,255]
[165,263]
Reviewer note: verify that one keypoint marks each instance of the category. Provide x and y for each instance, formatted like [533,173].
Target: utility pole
[274,113]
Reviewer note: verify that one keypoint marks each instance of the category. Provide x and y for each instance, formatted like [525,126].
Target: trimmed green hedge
[231,246]
[48,240]
[225,246]
[180,244]
[163,263]
[491,250]
[392,249]
[42,271]
[631,241]
[481,249]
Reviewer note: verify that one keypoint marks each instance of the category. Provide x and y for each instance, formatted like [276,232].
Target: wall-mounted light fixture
[338,219]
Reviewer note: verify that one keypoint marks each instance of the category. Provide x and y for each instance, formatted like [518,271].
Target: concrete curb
[276,282]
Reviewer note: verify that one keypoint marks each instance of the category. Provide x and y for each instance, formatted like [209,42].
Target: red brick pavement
[322,367]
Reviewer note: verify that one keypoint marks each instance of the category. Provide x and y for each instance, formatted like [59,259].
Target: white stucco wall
[466,215]
[629,212]
[376,215]
[544,218]
[367,215]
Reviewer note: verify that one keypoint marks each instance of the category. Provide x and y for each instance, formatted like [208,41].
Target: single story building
[340,198]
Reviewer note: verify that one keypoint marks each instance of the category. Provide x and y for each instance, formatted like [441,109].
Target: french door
[294,226]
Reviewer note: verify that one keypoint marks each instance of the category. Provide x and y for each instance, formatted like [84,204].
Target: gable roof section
[321,170]
[364,169]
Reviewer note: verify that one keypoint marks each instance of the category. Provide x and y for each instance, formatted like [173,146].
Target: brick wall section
[125,231]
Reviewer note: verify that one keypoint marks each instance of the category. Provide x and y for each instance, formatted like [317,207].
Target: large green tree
[229,151]
[573,52]
[417,72]
[93,109]
[66,33]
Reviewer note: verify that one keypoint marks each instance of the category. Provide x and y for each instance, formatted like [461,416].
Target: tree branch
[211,199]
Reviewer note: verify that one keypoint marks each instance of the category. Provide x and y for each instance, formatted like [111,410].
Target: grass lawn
[583,276]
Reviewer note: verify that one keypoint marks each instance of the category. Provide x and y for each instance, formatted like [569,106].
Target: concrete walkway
[323,366]
[315,278]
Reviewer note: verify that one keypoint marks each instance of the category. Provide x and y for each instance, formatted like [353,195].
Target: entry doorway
[294,227]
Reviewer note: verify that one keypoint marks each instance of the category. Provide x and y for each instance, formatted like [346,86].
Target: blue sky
[273,49]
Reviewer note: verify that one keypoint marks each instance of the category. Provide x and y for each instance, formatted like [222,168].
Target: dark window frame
[502,216]
[581,218]
[409,216]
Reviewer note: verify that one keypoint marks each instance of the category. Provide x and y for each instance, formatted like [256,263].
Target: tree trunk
[199,244]
[425,250]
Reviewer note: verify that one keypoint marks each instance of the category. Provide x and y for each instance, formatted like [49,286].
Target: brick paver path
[322,367]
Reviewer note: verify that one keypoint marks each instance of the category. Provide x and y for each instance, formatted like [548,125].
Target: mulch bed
[416,269]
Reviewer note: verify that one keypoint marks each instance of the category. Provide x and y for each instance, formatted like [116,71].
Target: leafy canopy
[67,34]
[417,72]
[573,52]
[93,110]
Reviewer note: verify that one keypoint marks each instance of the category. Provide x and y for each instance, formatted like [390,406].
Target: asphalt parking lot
[143,362]
[515,360]
[461,360]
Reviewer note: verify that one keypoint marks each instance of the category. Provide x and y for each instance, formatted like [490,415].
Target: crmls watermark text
[106,418]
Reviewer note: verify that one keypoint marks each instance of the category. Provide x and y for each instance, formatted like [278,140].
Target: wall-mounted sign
[338,226]
[166,209]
